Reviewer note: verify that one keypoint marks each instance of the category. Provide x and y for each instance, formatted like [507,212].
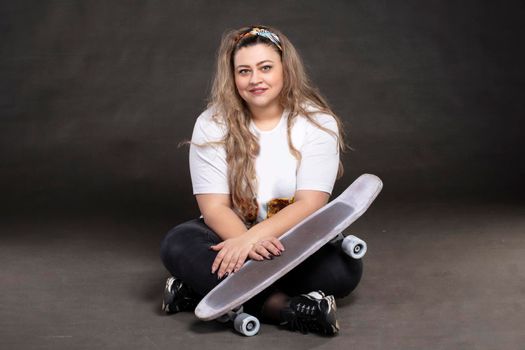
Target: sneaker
[312,312]
[178,296]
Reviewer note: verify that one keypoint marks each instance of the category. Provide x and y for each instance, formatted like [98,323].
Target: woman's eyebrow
[244,65]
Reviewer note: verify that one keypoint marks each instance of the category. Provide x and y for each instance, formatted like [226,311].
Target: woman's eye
[242,71]
[269,67]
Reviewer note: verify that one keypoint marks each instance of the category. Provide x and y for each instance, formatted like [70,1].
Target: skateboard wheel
[246,324]
[354,247]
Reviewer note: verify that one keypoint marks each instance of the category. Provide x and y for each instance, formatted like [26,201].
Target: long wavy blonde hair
[241,145]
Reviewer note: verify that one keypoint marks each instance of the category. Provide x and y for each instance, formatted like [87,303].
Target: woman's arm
[306,202]
[236,245]
[261,239]
[218,215]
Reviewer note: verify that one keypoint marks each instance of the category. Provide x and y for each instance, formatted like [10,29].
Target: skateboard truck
[243,323]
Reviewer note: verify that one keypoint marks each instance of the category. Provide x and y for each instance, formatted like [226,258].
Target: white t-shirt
[276,167]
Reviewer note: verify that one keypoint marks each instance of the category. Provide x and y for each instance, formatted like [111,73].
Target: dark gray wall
[95,95]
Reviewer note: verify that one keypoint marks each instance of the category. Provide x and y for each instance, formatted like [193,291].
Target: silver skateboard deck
[300,242]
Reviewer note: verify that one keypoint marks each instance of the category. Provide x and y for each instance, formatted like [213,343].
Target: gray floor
[437,276]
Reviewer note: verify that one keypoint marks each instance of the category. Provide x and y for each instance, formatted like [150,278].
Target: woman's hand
[265,248]
[232,254]
[234,251]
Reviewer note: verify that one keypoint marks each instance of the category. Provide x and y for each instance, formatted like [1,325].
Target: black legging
[185,253]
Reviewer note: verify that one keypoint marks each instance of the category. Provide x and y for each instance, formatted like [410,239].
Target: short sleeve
[320,156]
[208,166]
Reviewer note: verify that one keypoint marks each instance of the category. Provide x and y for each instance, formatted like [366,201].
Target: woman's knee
[169,241]
[177,240]
[350,277]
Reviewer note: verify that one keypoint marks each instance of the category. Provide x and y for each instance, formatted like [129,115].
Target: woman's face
[258,75]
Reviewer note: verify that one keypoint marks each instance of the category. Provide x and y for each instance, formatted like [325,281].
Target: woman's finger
[240,262]
[224,264]
[217,247]
[276,242]
[232,264]
[254,255]
[270,246]
[261,250]
[217,262]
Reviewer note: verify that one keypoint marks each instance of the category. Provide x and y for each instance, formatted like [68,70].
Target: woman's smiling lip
[258,91]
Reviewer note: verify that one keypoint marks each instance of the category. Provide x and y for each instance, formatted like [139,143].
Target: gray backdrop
[96,95]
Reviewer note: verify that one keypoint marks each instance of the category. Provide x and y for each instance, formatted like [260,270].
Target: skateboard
[224,302]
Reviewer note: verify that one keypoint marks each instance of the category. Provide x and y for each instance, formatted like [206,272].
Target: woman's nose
[255,78]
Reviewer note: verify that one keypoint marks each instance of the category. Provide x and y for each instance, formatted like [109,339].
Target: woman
[264,155]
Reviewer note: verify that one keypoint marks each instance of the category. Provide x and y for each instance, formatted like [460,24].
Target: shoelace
[308,310]
[304,319]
